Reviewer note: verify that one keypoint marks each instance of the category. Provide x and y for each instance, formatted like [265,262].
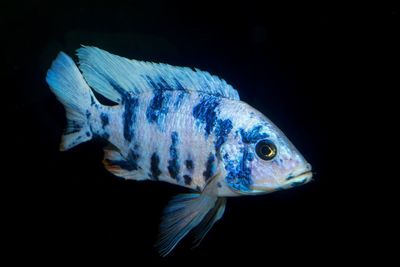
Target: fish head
[258,158]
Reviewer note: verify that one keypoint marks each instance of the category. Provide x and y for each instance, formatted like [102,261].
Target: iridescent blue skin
[217,142]
[244,171]
[181,148]
[176,125]
[179,126]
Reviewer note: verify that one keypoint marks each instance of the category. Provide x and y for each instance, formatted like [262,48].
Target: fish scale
[177,125]
[179,120]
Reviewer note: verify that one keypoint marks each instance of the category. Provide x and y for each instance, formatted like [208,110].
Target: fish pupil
[266,150]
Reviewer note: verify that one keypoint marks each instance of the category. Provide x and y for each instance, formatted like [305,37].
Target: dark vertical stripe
[205,112]
[173,163]
[210,167]
[179,99]
[129,116]
[222,129]
[158,107]
[154,166]
[239,171]
[104,120]
[187,179]
[189,165]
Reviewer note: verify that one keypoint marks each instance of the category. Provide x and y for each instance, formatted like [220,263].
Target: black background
[310,68]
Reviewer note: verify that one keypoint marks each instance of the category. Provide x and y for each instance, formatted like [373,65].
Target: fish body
[170,147]
[175,125]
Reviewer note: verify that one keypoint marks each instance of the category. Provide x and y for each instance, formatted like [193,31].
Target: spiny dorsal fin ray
[112,76]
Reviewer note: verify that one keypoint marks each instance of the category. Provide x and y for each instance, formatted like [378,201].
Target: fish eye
[266,150]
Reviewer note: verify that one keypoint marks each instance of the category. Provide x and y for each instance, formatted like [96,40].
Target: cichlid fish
[176,125]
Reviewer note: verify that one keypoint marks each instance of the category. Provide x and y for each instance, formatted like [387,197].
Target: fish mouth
[291,181]
[305,174]
[299,179]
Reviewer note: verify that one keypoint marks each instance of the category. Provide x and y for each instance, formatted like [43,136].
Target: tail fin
[67,83]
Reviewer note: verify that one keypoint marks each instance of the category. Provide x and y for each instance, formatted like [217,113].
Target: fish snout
[302,176]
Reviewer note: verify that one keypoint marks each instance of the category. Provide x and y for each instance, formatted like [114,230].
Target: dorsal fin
[112,76]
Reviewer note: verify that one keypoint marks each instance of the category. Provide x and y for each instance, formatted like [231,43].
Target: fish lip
[307,170]
[301,178]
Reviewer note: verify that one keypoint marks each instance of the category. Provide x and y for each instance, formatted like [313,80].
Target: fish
[178,125]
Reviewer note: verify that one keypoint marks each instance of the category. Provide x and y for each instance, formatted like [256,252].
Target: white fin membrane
[113,76]
[183,213]
[207,223]
[67,83]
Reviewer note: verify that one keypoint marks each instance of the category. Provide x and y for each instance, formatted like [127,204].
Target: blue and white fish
[176,125]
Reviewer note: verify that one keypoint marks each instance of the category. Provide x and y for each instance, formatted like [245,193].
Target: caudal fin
[67,83]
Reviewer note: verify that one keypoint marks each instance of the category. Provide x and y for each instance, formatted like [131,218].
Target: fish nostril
[308,167]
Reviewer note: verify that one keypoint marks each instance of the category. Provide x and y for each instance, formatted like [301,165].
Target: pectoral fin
[207,223]
[186,211]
